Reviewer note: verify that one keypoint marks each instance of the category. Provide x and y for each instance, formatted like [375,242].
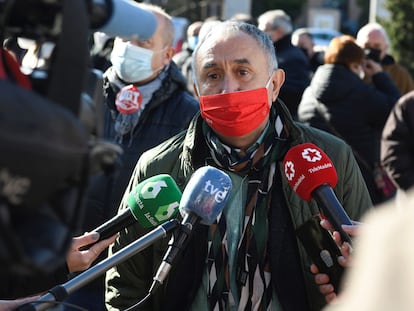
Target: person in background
[183,58]
[302,39]
[189,45]
[243,130]
[374,39]
[243,17]
[146,102]
[339,102]
[278,25]
[397,144]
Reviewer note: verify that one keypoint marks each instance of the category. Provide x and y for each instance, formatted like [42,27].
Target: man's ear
[278,79]
[195,90]
[169,53]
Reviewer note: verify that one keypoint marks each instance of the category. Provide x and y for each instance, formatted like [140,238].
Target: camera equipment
[42,19]
[46,128]
[373,54]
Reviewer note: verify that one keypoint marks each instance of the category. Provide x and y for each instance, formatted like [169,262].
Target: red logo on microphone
[311,155]
[307,167]
[289,170]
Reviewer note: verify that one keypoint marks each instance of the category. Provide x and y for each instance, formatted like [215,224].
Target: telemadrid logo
[289,170]
[311,155]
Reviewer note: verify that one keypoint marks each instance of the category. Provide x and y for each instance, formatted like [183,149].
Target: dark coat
[356,111]
[397,146]
[297,73]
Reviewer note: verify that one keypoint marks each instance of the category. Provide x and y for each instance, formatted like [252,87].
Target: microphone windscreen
[307,167]
[130,20]
[206,193]
[154,200]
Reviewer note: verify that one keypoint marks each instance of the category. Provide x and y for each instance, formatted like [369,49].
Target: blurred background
[326,16]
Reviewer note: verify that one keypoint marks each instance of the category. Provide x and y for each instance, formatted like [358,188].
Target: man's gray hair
[263,39]
[277,19]
[362,35]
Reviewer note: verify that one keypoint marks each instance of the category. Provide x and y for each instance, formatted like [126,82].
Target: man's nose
[230,85]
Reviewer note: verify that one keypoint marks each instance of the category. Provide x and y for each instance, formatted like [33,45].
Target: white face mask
[131,63]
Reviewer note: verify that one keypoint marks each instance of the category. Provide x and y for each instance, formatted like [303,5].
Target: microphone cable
[139,303]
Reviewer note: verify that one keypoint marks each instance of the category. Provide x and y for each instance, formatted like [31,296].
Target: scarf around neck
[257,164]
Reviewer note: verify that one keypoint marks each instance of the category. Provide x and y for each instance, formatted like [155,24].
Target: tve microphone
[152,202]
[311,174]
[203,200]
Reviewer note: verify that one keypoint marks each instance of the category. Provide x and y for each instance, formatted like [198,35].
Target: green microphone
[152,202]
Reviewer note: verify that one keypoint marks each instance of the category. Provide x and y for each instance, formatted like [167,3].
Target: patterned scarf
[253,276]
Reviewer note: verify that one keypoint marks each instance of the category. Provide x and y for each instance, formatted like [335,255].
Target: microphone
[311,174]
[151,202]
[203,200]
[122,18]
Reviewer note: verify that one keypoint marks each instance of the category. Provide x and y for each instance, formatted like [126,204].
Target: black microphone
[311,174]
[150,203]
[203,200]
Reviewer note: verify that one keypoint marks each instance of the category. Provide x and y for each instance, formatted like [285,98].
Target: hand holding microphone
[311,174]
[152,202]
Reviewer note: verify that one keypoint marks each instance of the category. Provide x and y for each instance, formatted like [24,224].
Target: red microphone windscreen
[14,69]
[308,167]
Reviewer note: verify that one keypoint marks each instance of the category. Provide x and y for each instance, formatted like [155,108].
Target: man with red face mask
[244,131]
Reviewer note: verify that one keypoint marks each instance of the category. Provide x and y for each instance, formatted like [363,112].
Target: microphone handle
[115,224]
[177,243]
[112,226]
[61,291]
[332,209]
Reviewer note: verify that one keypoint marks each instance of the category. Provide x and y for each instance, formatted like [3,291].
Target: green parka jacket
[180,156]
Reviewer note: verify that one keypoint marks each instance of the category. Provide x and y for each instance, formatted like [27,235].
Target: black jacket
[397,146]
[297,73]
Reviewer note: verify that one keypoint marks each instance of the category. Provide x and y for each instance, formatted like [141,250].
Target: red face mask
[235,114]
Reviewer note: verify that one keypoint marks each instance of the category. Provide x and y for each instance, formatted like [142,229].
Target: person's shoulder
[395,67]
[322,139]
[163,156]
[186,105]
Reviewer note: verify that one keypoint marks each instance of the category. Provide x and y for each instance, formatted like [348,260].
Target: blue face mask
[192,42]
[131,63]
